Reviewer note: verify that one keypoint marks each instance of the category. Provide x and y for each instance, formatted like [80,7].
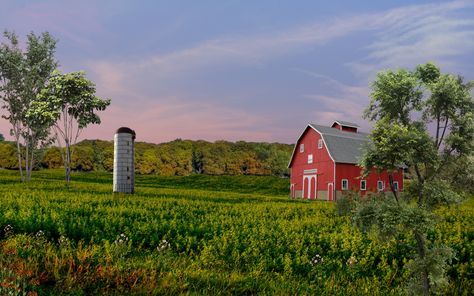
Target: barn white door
[310,186]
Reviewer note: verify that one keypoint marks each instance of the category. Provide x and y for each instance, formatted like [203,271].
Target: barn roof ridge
[345,147]
[338,133]
[346,123]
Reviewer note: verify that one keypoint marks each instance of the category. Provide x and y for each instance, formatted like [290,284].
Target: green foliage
[23,74]
[67,104]
[52,158]
[394,95]
[437,261]
[427,73]
[345,205]
[460,171]
[177,158]
[394,144]
[401,137]
[2,138]
[226,235]
[8,156]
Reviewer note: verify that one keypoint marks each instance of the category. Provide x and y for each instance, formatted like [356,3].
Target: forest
[175,158]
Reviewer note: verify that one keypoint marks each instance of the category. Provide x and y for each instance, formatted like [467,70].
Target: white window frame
[342,184]
[310,158]
[383,185]
[301,148]
[395,184]
[364,188]
[320,144]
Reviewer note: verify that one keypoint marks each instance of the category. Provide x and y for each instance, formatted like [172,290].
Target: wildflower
[316,260]
[122,239]
[164,244]
[62,240]
[39,234]
[8,230]
[351,261]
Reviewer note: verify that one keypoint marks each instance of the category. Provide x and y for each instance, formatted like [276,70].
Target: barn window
[320,144]
[345,184]
[395,185]
[301,148]
[310,158]
[380,185]
[363,185]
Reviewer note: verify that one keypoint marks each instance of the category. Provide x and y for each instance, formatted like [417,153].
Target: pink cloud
[183,120]
[73,22]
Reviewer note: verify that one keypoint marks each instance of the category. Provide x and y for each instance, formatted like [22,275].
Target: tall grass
[198,234]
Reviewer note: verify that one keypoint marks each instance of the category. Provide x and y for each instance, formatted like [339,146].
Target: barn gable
[343,146]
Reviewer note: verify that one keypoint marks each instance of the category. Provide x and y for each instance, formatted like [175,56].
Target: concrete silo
[124,160]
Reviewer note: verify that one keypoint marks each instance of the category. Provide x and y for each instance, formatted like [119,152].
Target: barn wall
[321,161]
[353,173]
[349,129]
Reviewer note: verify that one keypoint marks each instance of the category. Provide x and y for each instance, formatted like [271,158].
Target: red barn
[324,163]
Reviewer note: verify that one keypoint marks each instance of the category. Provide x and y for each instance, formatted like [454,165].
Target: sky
[241,70]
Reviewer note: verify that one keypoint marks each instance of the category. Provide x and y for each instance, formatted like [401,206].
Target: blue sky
[242,70]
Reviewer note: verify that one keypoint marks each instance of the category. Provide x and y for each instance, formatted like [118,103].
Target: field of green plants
[200,235]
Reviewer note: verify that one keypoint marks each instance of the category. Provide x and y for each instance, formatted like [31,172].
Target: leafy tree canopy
[23,74]
[424,119]
[68,104]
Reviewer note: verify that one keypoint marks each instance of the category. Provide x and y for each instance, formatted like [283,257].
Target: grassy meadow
[200,235]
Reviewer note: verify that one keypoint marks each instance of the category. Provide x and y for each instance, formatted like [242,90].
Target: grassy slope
[226,234]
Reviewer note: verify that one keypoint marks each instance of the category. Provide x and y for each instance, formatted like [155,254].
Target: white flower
[351,261]
[40,234]
[8,229]
[316,259]
[63,240]
[164,244]
[122,239]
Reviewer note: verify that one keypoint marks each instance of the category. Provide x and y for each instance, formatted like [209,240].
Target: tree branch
[442,135]
[392,187]
[437,130]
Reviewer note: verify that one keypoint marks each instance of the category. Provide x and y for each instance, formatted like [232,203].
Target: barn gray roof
[346,123]
[344,147]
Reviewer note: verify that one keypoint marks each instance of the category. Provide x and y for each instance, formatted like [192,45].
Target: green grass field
[200,235]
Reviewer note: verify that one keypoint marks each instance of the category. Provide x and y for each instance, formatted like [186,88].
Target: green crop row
[198,235]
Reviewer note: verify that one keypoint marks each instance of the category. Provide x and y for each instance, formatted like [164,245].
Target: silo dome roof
[126,130]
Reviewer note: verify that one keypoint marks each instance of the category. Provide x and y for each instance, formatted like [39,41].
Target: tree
[2,138]
[8,156]
[52,158]
[22,76]
[405,106]
[67,104]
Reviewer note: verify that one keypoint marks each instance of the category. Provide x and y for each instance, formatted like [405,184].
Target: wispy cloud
[251,50]
[402,34]
[179,92]
[73,23]
[418,34]
[339,100]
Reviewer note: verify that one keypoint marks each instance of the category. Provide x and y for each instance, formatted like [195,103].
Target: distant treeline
[176,158]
